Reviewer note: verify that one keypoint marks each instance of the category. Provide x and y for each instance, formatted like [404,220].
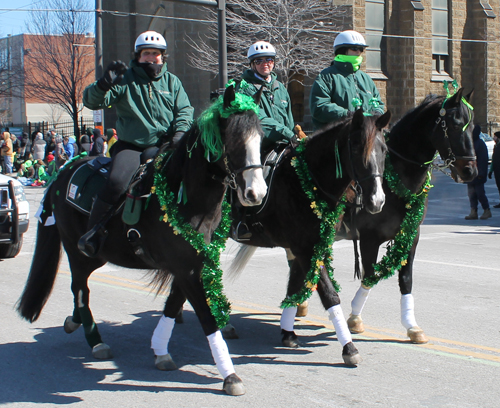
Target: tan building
[414,46]
[20,59]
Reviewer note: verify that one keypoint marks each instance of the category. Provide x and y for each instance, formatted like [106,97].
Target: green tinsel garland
[398,251]
[211,274]
[323,253]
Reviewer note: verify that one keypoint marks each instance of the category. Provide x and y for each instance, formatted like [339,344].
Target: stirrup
[242,232]
[91,242]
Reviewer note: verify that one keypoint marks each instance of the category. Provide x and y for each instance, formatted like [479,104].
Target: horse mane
[334,129]
[413,113]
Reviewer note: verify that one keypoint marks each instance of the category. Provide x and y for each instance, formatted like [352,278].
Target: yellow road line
[260,311]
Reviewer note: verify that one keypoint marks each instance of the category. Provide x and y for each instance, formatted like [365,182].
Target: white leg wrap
[408,311]
[359,300]
[340,324]
[161,335]
[220,353]
[288,318]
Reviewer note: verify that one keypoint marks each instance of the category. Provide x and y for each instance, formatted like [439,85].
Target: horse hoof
[102,351]
[233,385]
[165,363]
[351,355]
[229,332]
[355,324]
[302,309]
[417,335]
[289,339]
[70,326]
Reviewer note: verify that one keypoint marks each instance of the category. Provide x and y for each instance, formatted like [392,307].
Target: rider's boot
[91,242]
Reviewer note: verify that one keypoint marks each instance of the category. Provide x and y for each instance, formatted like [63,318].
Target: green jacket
[146,108]
[275,108]
[335,88]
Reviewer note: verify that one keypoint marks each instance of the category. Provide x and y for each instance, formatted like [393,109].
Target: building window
[440,37]
[375,24]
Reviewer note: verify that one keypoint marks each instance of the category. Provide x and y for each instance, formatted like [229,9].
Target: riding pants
[126,160]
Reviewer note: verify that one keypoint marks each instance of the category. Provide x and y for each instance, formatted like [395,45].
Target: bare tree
[63,56]
[302,31]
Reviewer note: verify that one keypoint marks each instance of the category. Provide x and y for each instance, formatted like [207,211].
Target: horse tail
[240,261]
[42,273]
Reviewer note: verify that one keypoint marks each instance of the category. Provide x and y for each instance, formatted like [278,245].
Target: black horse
[303,206]
[221,149]
[439,124]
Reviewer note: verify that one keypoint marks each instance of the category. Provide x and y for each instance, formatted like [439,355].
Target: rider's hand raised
[113,75]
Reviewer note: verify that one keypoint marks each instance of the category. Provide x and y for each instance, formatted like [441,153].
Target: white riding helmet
[260,49]
[349,38]
[150,39]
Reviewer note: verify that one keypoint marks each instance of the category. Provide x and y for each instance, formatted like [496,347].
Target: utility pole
[98,115]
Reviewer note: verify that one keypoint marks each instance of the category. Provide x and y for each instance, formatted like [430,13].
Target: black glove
[490,174]
[113,75]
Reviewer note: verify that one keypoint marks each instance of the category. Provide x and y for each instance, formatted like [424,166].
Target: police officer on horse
[152,107]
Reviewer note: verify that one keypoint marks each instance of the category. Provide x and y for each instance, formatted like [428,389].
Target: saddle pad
[84,185]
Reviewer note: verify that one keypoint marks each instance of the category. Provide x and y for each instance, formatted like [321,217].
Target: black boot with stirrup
[91,243]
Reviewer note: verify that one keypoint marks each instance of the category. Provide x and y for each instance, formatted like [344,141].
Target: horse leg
[287,321]
[191,286]
[303,308]
[164,328]
[414,332]
[331,302]
[369,252]
[81,269]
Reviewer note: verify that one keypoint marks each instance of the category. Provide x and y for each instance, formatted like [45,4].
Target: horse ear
[383,120]
[469,95]
[357,119]
[457,97]
[229,96]
[258,95]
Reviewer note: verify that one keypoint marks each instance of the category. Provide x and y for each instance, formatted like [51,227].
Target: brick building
[20,59]
[414,46]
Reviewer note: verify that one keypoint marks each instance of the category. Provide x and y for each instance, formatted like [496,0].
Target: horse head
[242,135]
[456,120]
[366,154]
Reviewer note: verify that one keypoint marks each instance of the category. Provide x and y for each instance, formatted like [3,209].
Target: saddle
[88,180]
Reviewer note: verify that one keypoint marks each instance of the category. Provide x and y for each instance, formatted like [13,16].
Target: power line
[311,30]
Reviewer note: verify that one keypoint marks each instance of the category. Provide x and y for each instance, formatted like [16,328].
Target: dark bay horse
[439,124]
[222,149]
[303,206]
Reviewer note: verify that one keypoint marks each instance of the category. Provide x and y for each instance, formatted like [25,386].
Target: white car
[14,216]
[490,144]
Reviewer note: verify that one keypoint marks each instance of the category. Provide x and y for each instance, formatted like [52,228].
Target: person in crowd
[112,138]
[343,87]
[152,107]
[99,144]
[495,163]
[69,148]
[51,144]
[39,147]
[475,188]
[7,152]
[25,151]
[85,142]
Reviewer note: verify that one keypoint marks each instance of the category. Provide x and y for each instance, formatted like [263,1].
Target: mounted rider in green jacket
[152,107]
[343,87]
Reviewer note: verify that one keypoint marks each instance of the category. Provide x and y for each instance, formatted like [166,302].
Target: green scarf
[353,59]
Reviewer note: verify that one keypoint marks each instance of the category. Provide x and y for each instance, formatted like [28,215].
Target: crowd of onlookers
[38,157]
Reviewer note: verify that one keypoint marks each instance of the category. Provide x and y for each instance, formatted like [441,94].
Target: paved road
[456,290]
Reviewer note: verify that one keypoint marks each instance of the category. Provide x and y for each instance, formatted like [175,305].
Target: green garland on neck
[323,253]
[398,251]
[211,274]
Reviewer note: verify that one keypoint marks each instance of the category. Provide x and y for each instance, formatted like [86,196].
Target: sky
[12,22]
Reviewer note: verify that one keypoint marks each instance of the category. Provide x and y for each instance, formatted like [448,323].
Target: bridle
[230,179]
[452,157]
